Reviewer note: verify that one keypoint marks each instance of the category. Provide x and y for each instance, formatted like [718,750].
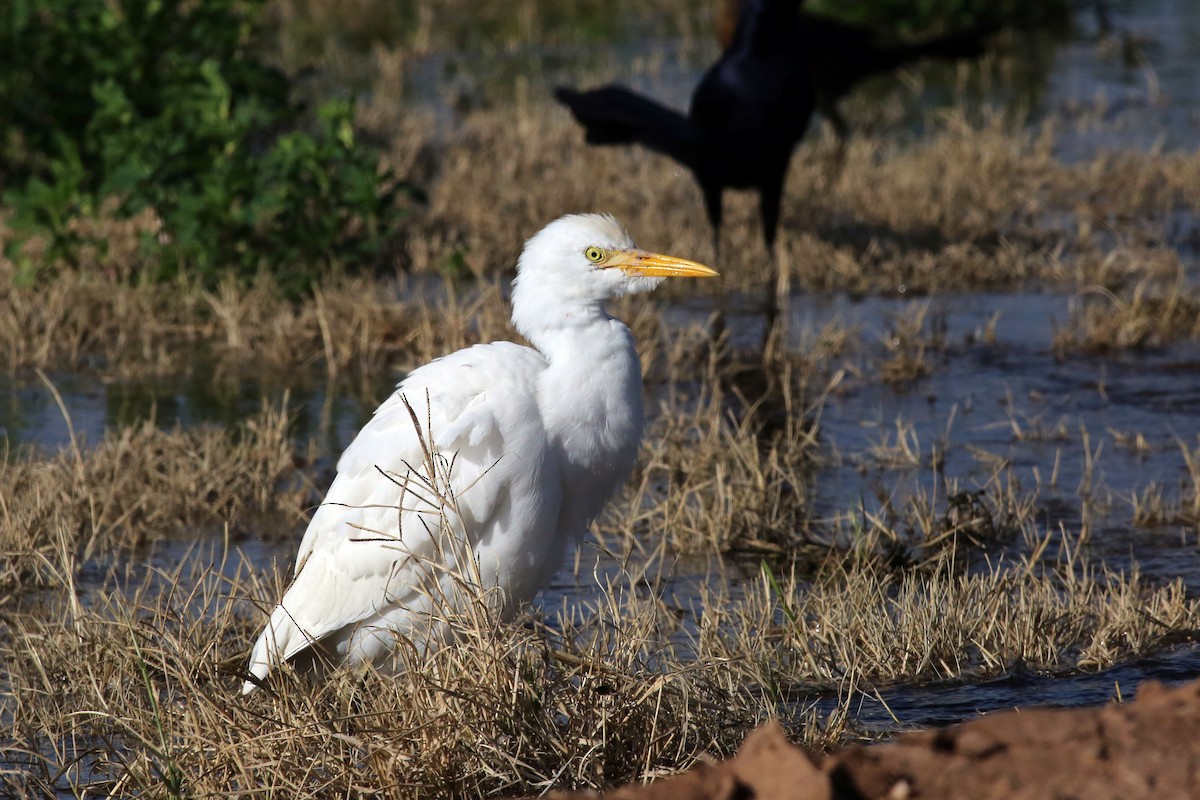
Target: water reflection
[328,412]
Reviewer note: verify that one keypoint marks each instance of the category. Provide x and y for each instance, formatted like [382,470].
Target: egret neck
[590,393]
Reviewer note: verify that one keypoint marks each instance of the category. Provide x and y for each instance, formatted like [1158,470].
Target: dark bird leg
[830,111]
[841,129]
[770,200]
[1103,20]
[713,207]
[770,197]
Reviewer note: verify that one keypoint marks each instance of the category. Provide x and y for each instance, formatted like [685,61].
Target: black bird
[748,112]
[840,55]
[753,105]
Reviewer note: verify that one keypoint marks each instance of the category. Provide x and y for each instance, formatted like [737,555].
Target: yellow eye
[594,254]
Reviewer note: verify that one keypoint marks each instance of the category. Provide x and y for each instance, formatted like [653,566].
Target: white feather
[533,442]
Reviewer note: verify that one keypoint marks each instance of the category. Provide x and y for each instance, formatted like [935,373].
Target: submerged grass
[1150,315]
[864,627]
[137,691]
[139,485]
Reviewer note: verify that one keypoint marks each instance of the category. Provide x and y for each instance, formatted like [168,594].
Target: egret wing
[459,448]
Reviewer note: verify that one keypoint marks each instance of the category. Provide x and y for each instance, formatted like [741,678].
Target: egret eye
[594,254]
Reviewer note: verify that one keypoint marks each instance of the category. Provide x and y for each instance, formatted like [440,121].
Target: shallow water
[1146,94]
[946,704]
[976,389]
[980,392]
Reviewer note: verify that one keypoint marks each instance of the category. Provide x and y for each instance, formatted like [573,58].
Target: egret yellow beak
[655,265]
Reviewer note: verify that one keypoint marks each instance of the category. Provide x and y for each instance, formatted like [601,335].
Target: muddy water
[1004,397]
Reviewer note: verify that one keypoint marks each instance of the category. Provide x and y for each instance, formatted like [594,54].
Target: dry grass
[912,343]
[131,695]
[1155,506]
[1150,316]
[359,326]
[139,485]
[998,211]
[730,449]
[710,481]
[863,627]
[137,691]
[899,451]
[921,524]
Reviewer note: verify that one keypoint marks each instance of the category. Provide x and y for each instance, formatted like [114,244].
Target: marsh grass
[864,626]
[884,226]
[709,482]
[134,687]
[727,460]
[898,451]
[358,326]
[912,344]
[1151,315]
[137,690]
[132,696]
[1156,505]
[914,527]
[139,485]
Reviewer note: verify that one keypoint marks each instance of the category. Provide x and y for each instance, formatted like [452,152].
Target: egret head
[585,259]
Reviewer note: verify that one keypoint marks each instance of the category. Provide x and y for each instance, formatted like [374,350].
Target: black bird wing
[966,43]
[841,54]
[616,115]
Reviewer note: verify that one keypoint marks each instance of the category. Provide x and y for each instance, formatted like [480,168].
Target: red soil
[1147,748]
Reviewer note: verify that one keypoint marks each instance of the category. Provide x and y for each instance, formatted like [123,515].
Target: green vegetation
[131,107]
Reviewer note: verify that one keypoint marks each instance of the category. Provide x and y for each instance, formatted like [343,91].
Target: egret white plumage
[536,440]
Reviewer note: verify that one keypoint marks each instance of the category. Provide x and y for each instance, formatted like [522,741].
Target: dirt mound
[1147,748]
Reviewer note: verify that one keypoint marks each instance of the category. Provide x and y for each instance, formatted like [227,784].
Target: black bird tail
[615,115]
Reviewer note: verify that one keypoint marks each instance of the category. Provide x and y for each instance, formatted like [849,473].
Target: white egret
[535,441]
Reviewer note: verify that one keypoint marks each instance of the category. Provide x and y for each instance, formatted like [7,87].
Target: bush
[163,105]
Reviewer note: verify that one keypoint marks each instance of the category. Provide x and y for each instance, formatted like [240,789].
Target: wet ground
[1139,749]
[1006,397]
[979,394]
